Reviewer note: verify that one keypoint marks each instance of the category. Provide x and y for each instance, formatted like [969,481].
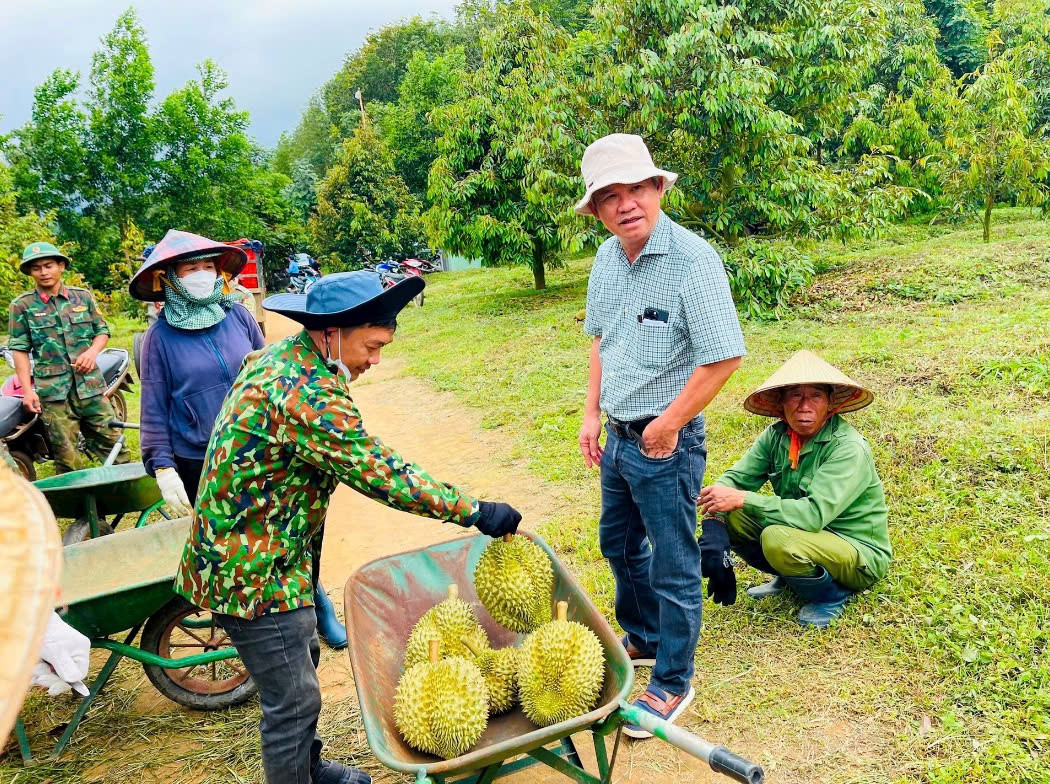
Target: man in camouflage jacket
[287,435]
[63,328]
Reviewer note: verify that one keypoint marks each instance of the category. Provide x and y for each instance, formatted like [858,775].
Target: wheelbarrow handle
[721,759]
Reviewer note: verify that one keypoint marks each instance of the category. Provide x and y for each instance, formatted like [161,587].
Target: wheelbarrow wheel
[80,531]
[179,629]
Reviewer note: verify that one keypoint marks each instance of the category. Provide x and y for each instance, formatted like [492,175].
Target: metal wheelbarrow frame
[383,600]
[123,581]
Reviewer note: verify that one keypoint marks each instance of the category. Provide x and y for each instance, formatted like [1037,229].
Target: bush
[765,274]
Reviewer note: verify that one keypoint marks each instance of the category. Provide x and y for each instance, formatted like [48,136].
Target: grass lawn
[937,674]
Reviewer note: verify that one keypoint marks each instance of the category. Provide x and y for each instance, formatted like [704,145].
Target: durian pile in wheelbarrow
[454,680]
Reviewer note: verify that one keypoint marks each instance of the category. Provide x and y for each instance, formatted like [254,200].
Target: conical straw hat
[805,367]
[30,566]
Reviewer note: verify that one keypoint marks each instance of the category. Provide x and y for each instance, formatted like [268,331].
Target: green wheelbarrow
[383,600]
[92,495]
[124,582]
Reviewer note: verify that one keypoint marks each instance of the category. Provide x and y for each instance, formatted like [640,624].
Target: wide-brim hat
[805,367]
[40,250]
[346,299]
[618,159]
[147,285]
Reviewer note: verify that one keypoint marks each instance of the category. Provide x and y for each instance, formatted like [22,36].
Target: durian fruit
[500,668]
[441,705]
[561,670]
[515,582]
[449,622]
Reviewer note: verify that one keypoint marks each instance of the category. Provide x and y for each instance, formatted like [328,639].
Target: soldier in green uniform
[62,327]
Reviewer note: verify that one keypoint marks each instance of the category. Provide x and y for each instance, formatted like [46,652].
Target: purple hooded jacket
[185,376]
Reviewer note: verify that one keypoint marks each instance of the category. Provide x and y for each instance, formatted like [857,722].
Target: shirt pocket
[42,329]
[655,344]
[201,409]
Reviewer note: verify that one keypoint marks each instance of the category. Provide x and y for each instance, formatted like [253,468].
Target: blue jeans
[281,652]
[648,533]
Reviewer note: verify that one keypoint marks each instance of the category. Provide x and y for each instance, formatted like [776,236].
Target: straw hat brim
[228,259]
[31,560]
[806,368]
[623,175]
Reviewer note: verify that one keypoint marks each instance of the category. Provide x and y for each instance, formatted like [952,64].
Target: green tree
[429,83]
[499,188]
[1023,26]
[364,212]
[998,154]
[962,26]
[16,231]
[315,140]
[301,192]
[120,145]
[205,160]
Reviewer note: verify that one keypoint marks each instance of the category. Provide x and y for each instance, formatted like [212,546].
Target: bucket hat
[147,284]
[346,299]
[40,250]
[805,367]
[617,159]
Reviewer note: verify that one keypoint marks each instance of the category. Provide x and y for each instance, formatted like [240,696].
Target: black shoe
[328,772]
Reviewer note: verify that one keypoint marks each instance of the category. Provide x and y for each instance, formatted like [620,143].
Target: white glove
[66,654]
[174,492]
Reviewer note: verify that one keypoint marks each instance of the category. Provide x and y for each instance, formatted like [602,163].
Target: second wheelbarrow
[383,600]
[124,582]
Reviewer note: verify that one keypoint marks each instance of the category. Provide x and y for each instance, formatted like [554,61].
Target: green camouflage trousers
[7,460]
[61,421]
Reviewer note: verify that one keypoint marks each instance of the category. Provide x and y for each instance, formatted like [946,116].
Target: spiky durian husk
[515,582]
[442,707]
[560,673]
[450,623]
[500,668]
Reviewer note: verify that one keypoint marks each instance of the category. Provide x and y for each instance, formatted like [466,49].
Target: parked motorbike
[420,264]
[23,431]
[302,283]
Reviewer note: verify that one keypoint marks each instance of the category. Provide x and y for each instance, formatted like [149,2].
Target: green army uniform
[57,329]
[287,435]
[829,511]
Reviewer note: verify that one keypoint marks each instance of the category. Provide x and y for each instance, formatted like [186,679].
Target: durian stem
[470,646]
[563,611]
[508,537]
[435,651]
[453,591]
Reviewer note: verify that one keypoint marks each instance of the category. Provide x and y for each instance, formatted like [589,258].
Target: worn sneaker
[662,705]
[637,657]
[330,772]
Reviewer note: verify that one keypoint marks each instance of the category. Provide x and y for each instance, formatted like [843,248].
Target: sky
[276,52]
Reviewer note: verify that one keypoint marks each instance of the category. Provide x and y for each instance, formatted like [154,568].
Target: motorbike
[301,283]
[23,431]
[421,265]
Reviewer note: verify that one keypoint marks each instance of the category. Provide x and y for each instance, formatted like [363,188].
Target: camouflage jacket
[287,435]
[57,329]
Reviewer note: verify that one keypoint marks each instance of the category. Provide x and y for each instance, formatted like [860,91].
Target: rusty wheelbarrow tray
[383,600]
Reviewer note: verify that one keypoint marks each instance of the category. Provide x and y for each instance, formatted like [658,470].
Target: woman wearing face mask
[190,358]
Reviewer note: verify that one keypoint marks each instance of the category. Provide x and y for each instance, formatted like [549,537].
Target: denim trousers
[647,532]
[281,652]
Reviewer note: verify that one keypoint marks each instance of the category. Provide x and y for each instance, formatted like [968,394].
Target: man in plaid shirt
[666,339]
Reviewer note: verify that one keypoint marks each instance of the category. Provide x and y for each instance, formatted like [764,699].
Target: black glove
[715,563]
[497,519]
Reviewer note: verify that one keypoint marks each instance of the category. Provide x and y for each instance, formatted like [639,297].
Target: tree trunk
[989,202]
[539,272]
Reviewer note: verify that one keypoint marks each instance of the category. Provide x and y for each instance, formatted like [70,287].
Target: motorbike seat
[111,362]
[12,414]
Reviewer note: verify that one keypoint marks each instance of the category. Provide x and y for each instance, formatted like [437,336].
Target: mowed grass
[938,674]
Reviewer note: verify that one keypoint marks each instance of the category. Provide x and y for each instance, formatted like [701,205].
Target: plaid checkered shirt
[680,280]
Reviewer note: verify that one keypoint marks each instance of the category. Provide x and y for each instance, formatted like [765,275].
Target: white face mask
[338,361]
[199,284]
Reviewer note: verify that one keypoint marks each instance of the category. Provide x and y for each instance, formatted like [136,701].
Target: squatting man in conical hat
[666,339]
[287,434]
[64,331]
[823,532]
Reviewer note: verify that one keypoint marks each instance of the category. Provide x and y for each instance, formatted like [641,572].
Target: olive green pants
[63,419]
[792,552]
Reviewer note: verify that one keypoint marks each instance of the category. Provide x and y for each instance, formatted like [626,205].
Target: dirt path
[436,431]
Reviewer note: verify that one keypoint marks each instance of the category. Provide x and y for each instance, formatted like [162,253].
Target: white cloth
[66,654]
[174,492]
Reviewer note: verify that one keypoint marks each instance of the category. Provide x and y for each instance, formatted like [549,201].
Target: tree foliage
[365,211]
